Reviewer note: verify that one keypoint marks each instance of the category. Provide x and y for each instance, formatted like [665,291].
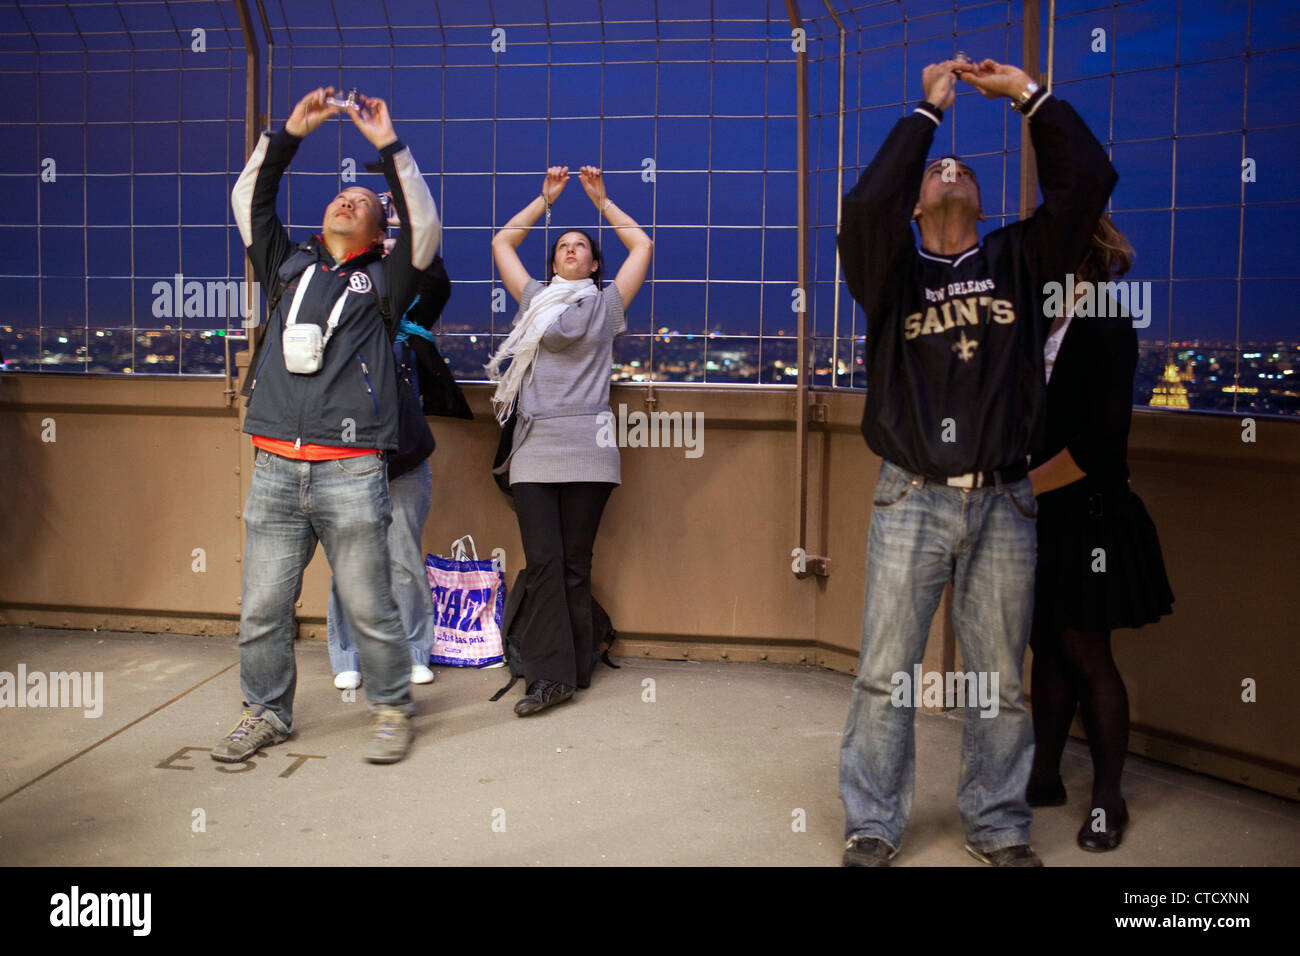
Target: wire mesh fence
[127,133]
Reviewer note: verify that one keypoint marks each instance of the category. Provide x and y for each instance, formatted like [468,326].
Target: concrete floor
[714,771]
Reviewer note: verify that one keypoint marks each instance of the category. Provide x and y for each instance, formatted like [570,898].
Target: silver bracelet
[608,202]
[1024,98]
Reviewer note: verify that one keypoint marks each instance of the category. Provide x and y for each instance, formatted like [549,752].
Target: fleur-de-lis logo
[965,348]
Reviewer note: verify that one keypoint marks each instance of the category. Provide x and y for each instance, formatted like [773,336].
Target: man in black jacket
[322,410]
[954,407]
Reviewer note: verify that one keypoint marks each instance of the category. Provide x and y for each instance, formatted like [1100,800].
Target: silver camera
[350,102]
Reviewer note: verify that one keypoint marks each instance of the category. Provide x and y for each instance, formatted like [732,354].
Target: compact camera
[350,102]
[303,347]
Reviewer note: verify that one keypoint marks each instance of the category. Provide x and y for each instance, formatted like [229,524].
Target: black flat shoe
[1099,841]
[1046,795]
[544,693]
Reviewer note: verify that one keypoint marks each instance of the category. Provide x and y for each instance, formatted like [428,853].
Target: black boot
[544,693]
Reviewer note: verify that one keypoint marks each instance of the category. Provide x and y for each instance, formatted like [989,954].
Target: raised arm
[1074,172]
[876,222]
[640,247]
[254,196]
[1076,178]
[421,230]
[513,274]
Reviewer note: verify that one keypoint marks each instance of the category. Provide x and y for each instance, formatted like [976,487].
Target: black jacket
[954,345]
[352,399]
[1090,398]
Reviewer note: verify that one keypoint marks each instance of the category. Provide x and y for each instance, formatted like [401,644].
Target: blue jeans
[411,494]
[922,534]
[292,505]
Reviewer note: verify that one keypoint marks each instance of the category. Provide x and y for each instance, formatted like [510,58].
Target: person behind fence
[322,410]
[955,393]
[560,351]
[410,492]
[1099,560]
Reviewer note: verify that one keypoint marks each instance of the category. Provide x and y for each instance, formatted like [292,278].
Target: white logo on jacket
[359,282]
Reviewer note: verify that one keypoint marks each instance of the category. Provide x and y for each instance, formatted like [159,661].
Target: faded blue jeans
[344,505]
[921,535]
[411,495]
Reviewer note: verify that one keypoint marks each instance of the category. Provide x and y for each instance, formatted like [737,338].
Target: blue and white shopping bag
[468,597]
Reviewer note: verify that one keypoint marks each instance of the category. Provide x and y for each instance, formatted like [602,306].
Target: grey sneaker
[1020,855]
[251,734]
[392,736]
[868,851]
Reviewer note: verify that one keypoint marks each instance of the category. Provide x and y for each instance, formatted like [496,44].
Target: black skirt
[1099,561]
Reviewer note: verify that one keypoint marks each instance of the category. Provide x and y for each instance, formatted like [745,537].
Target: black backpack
[504,444]
[511,635]
[415,440]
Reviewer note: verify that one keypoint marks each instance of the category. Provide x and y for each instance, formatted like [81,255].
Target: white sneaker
[347,680]
[421,674]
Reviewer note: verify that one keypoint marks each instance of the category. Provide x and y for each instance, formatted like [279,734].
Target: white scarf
[521,345]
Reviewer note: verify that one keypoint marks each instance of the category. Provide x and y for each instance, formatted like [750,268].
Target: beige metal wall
[694,554]
[106,517]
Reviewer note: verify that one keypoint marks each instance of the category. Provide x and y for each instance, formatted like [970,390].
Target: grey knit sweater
[565,391]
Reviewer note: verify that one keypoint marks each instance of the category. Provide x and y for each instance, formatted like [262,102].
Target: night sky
[147,137]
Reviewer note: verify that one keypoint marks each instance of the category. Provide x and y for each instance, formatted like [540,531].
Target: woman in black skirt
[1099,561]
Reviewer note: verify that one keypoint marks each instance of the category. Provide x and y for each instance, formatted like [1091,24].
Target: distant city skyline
[1262,378]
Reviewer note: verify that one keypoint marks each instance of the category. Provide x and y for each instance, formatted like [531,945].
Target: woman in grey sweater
[561,474]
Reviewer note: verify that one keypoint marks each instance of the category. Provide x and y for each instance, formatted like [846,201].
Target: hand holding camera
[312,110]
[368,113]
[995,79]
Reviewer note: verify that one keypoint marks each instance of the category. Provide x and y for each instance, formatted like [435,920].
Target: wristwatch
[1018,103]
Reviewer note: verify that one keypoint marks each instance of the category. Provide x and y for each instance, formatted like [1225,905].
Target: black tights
[1075,668]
